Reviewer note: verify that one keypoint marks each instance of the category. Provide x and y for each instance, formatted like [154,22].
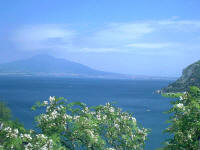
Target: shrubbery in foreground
[185,121]
[75,126]
[5,113]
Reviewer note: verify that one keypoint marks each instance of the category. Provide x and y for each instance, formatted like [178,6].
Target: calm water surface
[134,96]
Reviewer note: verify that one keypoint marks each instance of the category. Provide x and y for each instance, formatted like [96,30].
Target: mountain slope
[190,77]
[45,64]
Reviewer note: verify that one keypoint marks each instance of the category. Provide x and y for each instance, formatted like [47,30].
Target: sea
[135,96]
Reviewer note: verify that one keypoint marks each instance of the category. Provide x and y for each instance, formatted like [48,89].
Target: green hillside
[190,77]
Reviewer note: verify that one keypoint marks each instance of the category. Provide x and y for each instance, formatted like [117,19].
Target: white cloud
[152,45]
[43,37]
[146,37]
[180,25]
[101,50]
[116,33]
[194,23]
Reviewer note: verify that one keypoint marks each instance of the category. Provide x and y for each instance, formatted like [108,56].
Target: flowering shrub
[76,126]
[17,138]
[185,121]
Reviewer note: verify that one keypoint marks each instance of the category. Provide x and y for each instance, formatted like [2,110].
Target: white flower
[180,105]
[52,99]
[85,110]
[108,104]
[111,109]
[92,135]
[181,98]
[76,117]
[31,131]
[41,136]
[116,126]
[104,117]
[45,102]
[8,129]
[67,116]
[54,114]
[98,117]
[28,136]
[189,136]
[92,113]
[133,119]
[16,131]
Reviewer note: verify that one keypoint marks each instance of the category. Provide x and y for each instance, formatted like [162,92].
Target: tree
[5,113]
[184,121]
[71,126]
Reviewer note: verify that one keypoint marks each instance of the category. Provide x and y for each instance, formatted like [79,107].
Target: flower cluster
[123,126]
[15,139]
[180,106]
[55,117]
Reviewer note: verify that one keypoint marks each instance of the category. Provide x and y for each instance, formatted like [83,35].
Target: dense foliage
[5,113]
[185,121]
[73,126]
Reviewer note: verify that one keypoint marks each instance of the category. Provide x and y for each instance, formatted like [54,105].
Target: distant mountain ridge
[190,77]
[48,65]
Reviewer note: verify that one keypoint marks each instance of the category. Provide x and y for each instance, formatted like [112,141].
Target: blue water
[134,96]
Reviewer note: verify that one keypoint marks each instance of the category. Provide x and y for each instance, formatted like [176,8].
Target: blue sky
[139,37]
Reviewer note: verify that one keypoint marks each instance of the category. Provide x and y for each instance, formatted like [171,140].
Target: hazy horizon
[151,38]
[43,56]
